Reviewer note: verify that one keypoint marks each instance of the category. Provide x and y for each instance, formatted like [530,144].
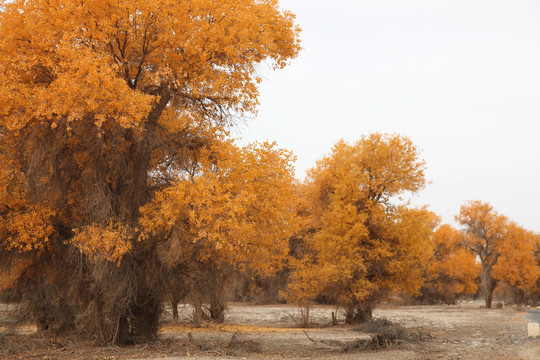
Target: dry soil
[465,331]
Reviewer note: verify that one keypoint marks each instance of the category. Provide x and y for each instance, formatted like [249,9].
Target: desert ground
[464,331]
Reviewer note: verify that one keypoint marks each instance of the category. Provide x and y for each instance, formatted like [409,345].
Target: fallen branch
[305,332]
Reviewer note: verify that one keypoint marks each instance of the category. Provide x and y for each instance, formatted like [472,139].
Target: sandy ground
[263,332]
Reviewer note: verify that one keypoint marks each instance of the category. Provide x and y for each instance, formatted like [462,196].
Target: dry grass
[386,335]
[230,328]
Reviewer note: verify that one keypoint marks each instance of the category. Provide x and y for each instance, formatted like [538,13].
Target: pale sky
[461,78]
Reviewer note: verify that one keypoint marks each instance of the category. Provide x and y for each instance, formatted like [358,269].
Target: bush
[385,335]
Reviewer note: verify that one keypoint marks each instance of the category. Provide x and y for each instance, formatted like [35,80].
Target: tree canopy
[453,270]
[506,251]
[360,242]
[104,106]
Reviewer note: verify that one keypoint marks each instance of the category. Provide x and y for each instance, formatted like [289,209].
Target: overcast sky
[461,78]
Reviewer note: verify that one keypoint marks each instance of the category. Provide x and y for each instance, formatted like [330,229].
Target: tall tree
[485,230]
[359,243]
[102,105]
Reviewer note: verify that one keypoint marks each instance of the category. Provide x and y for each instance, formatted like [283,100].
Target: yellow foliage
[411,250]
[516,264]
[115,59]
[453,270]
[28,230]
[358,243]
[24,227]
[104,103]
[233,209]
[484,229]
[109,242]
[106,108]
[505,250]
[307,281]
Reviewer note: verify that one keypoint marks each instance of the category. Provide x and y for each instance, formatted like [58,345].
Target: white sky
[461,78]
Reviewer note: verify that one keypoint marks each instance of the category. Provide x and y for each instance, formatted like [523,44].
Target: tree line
[359,241]
[121,187]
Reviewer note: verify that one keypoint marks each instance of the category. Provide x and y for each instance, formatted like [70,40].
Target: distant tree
[516,265]
[357,242]
[103,104]
[484,230]
[536,293]
[453,270]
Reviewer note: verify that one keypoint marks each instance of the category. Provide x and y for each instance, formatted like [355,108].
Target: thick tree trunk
[146,317]
[488,285]
[198,313]
[48,306]
[143,314]
[123,333]
[217,306]
[488,297]
[141,322]
[134,192]
[520,298]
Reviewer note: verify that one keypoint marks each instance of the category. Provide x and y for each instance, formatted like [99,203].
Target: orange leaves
[484,227]
[371,171]
[358,241]
[113,115]
[410,249]
[506,251]
[307,282]
[114,60]
[453,270]
[234,209]
[109,242]
[516,264]
[25,229]
[108,85]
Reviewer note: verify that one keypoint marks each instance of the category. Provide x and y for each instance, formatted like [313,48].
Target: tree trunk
[124,332]
[334,318]
[217,306]
[174,304]
[198,314]
[488,297]
[146,317]
[488,285]
[140,322]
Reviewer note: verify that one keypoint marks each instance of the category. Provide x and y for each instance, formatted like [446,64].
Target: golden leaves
[517,265]
[372,170]
[26,228]
[484,227]
[453,270]
[233,209]
[506,250]
[354,235]
[109,242]
[114,60]
[411,248]
[108,108]
[99,85]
